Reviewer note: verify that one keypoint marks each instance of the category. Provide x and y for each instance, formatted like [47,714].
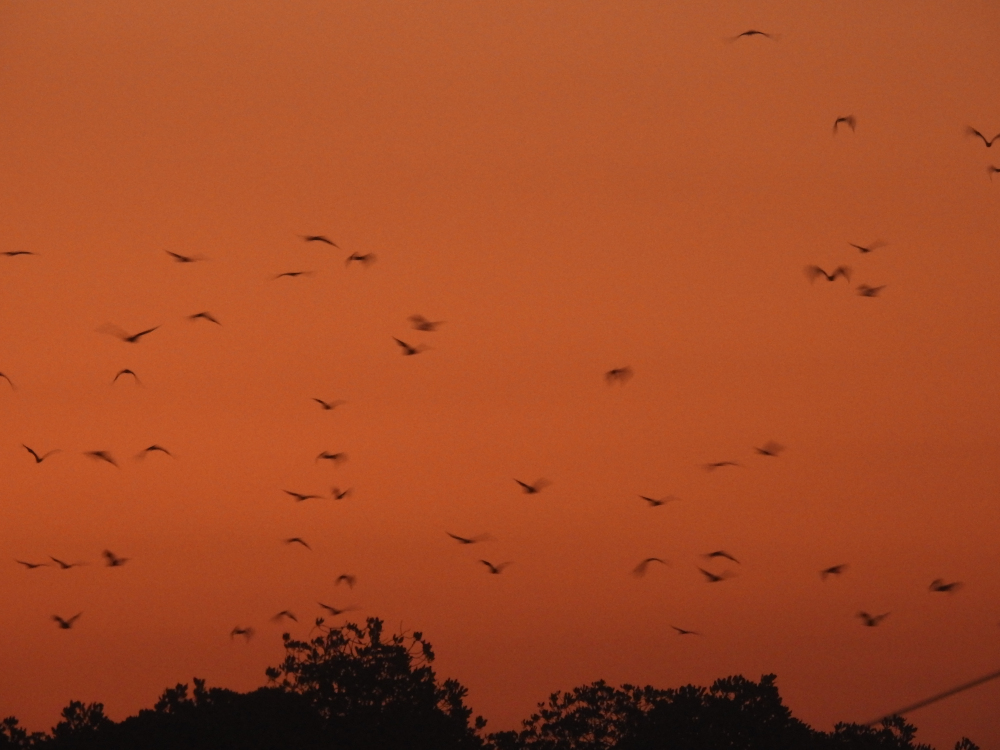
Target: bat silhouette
[938,584]
[206,316]
[468,540]
[654,503]
[126,371]
[711,577]
[153,448]
[721,553]
[328,405]
[66,624]
[319,238]
[871,621]
[64,565]
[872,246]
[770,448]
[720,464]
[682,631]
[245,632]
[293,274]
[183,258]
[338,495]
[113,561]
[833,570]
[335,457]
[284,613]
[620,375]
[348,579]
[102,456]
[531,489]
[9,381]
[814,272]
[299,497]
[420,323]
[408,350]
[31,566]
[39,459]
[124,335]
[364,260]
[972,131]
[334,611]
[495,569]
[752,32]
[990,169]
[15,253]
[849,121]
[297,540]
[869,291]
[640,570]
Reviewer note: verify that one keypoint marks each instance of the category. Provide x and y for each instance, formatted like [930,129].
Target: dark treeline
[354,688]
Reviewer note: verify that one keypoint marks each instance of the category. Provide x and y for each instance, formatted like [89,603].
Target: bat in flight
[178,258]
[124,335]
[39,459]
[299,497]
[102,456]
[770,448]
[711,577]
[990,170]
[113,561]
[640,570]
[420,323]
[656,503]
[720,464]
[297,540]
[339,494]
[869,291]
[293,274]
[495,569]
[938,584]
[205,316]
[334,611]
[721,553]
[284,613]
[345,578]
[319,238]
[682,631]
[126,371]
[364,260]
[31,566]
[531,489]
[849,121]
[972,131]
[152,449]
[9,381]
[328,405]
[335,457]
[64,565]
[833,570]
[752,32]
[15,253]
[870,621]
[871,246]
[245,632]
[468,540]
[814,272]
[620,375]
[66,624]
[409,351]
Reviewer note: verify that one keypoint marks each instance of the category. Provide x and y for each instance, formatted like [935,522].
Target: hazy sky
[571,187]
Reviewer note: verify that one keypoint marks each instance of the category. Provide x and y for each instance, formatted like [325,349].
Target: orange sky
[571,187]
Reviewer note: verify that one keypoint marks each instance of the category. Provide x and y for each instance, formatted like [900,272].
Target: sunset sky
[572,187]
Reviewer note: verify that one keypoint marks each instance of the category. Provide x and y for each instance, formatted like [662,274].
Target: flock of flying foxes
[617,376]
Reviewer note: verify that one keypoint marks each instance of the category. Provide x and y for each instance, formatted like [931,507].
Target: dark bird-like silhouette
[495,569]
[420,323]
[102,456]
[814,272]
[869,291]
[39,459]
[285,613]
[15,253]
[297,540]
[205,316]
[64,565]
[319,238]
[938,584]
[178,258]
[9,381]
[720,464]
[126,371]
[871,621]
[334,610]
[991,170]
[682,631]
[531,489]
[153,449]
[972,131]
[833,570]
[409,351]
[870,247]
[31,566]
[245,632]
[753,32]
[334,457]
[640,570]
[328,405]
[770,448]
[299,497]
[848,120]
[620,375]
[656,503]
[721,553]
[468,540]
[66,624]
[712,577]
[339,494]
[364,260]
[125,335]
[112,560]
[293,274]
[346,578]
